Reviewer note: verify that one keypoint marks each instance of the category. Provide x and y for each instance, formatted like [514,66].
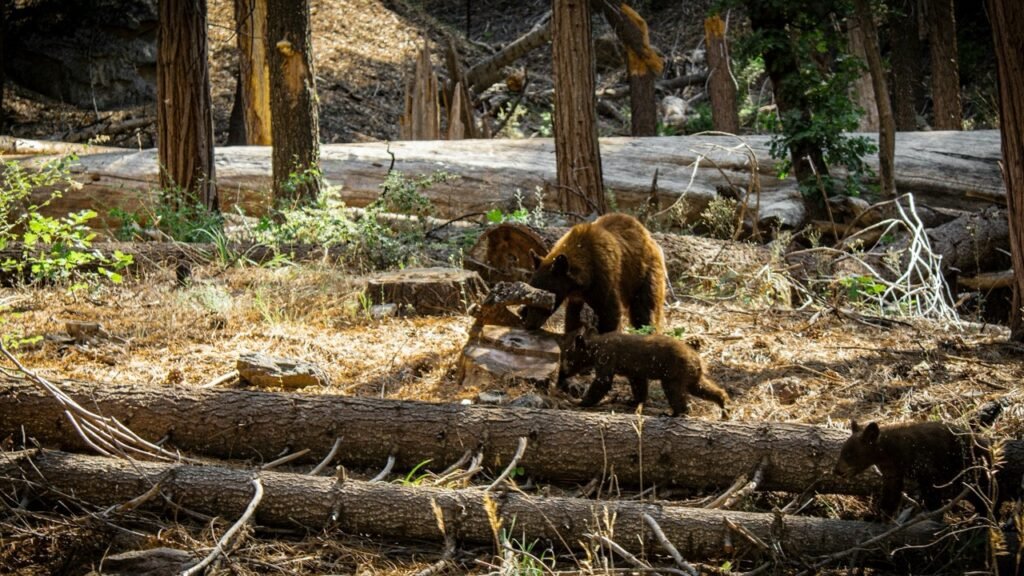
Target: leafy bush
[181,221]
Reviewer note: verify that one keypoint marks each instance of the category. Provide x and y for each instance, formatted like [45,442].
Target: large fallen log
[563,445]
[410,513]
[950,169]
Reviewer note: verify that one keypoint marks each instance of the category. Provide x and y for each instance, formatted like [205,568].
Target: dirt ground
[781,365]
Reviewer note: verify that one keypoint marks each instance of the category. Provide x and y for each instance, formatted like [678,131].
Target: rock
[491,397]
[531,401]
[152,562]
[267,371]
[433,291]
[381,311]
[499,356]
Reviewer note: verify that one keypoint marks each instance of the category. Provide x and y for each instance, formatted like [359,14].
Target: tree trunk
[293,96]
[184,117]
[421,119]
[402,512]
[721,89]
[484,74]
[3,77]
[643,65]
[254,70]
[237,134]
[863,89]
[1007,18]
[886,125]
[577,156]
[945,66]
[905,40]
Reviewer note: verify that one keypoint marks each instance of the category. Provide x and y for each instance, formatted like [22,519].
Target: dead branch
[225,540]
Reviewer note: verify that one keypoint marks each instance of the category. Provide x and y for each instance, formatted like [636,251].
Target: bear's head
[551,274]
[859,451]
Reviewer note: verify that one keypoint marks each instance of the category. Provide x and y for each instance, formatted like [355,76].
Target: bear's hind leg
[645,308]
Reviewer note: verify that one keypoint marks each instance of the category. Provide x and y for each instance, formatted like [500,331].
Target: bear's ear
[536,259]
[854,427]
[560,265]
[871,433]
[579,341]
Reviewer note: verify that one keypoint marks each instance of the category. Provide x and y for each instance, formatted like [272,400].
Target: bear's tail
[707,389]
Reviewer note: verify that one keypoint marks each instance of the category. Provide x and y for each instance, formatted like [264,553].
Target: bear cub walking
[639,358]
[935,455]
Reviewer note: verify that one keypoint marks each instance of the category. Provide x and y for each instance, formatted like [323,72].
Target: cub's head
[859,451]
[551,274]
[576,357]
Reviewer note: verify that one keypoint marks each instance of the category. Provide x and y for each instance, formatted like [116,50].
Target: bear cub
[639,358]
[935,455]
[610,264]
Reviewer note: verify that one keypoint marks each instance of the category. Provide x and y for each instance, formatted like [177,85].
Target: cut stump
[499,356]
[434,291]
[502,253]
[265,371]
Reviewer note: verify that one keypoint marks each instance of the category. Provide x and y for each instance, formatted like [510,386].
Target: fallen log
[410,513]
[946,169]
[564,445]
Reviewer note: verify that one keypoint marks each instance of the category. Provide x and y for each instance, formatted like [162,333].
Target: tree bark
[296,155]
[886,124]
[1007,18]
[643,65]
[907,66]
[237,133]
[577,156]
[184,117]
[3,77]
[863,89]
[254,70]
[409,513]
[945,66]
[721,90]
[483,75]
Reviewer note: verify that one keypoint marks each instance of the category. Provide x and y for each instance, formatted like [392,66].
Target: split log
[427,290]
[500,356]
[422,117]
[941,168]
[565,446]
[409,513]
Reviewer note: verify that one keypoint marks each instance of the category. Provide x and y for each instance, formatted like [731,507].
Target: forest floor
[781,365]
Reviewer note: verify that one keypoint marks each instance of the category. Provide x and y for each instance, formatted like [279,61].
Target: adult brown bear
[610,264]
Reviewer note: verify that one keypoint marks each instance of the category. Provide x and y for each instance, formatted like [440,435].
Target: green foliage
[860,288]
[496,216]
[53,249]
[414,479]
[176,216]
[546,128]
[701,121]
[645,330]
[720,217]
[522,560]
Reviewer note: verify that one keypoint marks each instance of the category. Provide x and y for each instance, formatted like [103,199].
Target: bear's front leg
[598,388]
[892,491]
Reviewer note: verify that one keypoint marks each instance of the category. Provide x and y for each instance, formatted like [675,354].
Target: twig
[667,545]
[638,563]
[137,501]
[458,464]
[727,500]
[222,379]
[387,470]
[746,534]
[285,459]
[511,465]
[327,459]
[226,538]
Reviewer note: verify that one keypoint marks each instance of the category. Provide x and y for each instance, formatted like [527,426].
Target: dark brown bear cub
[639,358]
[610,264]
[933,454]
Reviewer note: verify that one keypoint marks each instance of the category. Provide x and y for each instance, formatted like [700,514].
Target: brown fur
[640,358]
[933,454]
[610,264]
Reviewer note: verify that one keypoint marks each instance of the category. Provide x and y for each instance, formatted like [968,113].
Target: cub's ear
[560,265]
[871,432]
[854,427]
[579,341]
[536,259]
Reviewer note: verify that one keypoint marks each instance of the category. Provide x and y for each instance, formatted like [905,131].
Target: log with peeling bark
[564,445]
[947,169]
[409,513]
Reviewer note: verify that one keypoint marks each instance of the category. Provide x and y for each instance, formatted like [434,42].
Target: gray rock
[266,371]
[152,562]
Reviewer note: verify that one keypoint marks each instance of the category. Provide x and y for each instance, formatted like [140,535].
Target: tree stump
[502,253]
[499,356]
[434,291]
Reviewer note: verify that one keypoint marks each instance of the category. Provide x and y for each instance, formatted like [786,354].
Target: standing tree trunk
[237,134]
[1007,18]
[183,115]
[906,64]
[886,124]
[251,25]
[721,90]
[577,156]
[863,88]
[945,71]
[3,25]
[296,156]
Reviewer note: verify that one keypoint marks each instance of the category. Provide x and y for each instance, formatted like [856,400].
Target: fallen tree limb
[403,512]
[938,167]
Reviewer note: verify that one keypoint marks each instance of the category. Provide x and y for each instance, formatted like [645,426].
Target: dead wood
[421,120]
[987,281]
[427,290]
[409,513]
[484,74]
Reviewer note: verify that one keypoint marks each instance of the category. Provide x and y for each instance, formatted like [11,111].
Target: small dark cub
[935,455]
[639,358]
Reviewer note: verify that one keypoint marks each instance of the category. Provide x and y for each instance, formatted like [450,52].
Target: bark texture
[184,117]
[945,67]
[886,125]
[907,61]
[643,65]
[721,89]
[943,169]
[409,513]
[1007,17]
[577,156]
[296,152]
[863,89]
[254,68]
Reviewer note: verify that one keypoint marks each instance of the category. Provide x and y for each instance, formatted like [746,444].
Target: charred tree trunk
[577,156]
[296,156]
[945,66]
[410,513]
[254,70]
[886,124]
[643,65]
[906,57]
[184,117]
[721,90]
[1007,18]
